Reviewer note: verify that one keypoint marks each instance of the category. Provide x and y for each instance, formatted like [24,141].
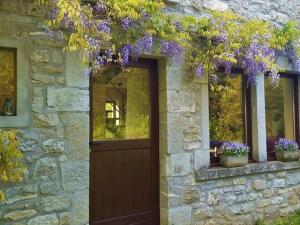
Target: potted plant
[287,150]
[234,154]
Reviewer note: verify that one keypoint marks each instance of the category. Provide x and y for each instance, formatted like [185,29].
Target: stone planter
[229,161]
[287,156]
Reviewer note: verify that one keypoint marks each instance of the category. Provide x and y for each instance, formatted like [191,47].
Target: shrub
[11,168]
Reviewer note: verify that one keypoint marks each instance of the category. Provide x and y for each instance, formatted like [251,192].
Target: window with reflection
[121,104]
[280,112]
[228,97]
[8,83]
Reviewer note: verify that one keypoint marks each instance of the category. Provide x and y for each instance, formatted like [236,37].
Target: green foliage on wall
[11,168]
[125,29]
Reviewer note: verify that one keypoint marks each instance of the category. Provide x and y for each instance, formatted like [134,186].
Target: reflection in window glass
[121,104]
[280,111]
[8,79]
[226,111]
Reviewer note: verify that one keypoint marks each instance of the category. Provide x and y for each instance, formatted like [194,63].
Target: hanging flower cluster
[113,31]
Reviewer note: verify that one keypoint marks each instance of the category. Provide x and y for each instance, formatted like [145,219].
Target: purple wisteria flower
[171,49]
[99,9]
[286,145]
[126,23]
[104,27]
[199,71]
[234,148]
[55,35]
[219,39]
[125,53]
[253,66]
[144,44]
[292,56]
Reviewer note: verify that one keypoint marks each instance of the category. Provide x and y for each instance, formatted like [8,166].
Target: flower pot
[287,156]
[229,161]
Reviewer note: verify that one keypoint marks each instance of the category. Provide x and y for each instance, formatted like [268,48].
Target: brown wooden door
[124,182]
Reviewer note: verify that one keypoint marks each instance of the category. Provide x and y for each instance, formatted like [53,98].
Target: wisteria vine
[118,32]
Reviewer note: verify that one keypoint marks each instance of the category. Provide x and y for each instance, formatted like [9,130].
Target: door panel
[124,146]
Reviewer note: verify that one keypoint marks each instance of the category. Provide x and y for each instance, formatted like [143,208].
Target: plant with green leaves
[11,168]
[119,31]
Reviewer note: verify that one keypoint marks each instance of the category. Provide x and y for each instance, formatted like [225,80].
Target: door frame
[152,64]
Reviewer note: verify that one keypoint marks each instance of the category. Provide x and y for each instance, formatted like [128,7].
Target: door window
[122,110]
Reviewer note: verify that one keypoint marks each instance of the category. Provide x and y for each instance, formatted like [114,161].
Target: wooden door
[124,182]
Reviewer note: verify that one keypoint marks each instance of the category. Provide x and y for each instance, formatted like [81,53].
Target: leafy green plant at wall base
[11,168]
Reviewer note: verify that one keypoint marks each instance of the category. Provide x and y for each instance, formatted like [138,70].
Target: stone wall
[228,196]
[56,141]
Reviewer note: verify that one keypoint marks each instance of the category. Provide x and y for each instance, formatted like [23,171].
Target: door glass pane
[121,104]
[280,111]
[8,81]
[226,111]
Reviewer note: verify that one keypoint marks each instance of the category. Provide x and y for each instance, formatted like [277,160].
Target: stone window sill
[252,168]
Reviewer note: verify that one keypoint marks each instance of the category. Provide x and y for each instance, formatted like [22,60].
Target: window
[229,113]
[122,110]
[8,84]
[281,105]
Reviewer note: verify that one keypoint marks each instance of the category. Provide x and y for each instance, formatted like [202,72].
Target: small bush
[11,168]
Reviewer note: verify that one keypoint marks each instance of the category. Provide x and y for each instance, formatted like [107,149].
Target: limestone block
[293,199]
[215,5]
[40,56]
[190,195]
[18,215]
[80,212]
[44,220]
[38,78]
[180,216]
[51,69]
[45,167]
[178,164]
[239,181]
[279,183]
[28,140]
[215,197]
[77,135]
[53,146]
[37,99]
[55,203]
[48,186]
[203,212]
[67,99]
[201,159]
[259,185]
[57,56]
[75,175]
[75,71]
[171,138]
[46,120]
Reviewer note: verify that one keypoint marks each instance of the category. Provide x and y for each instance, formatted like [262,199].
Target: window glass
[280,113]
[121,104]
[226,111]
[8,82]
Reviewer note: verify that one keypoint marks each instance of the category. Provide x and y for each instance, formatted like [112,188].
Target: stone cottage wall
[191,192]
[55,141]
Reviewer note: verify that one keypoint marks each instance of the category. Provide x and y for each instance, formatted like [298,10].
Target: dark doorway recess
[124,172]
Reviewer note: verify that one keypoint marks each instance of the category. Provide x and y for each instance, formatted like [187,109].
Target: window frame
[215,160]
[271,156]
[23,101]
